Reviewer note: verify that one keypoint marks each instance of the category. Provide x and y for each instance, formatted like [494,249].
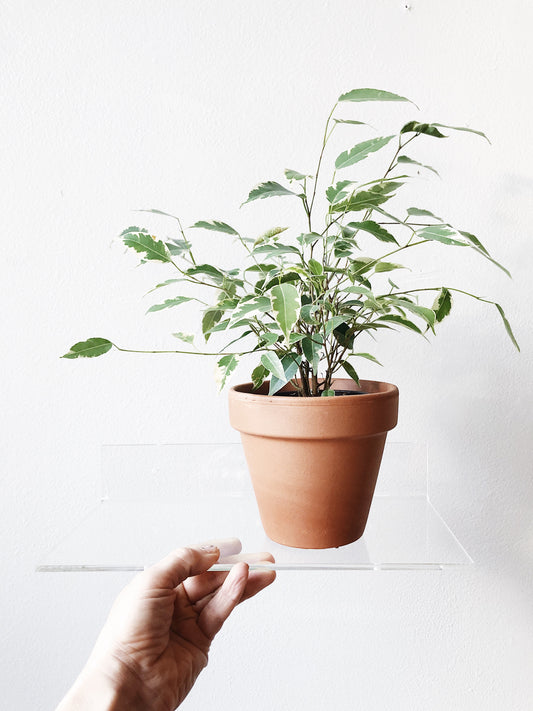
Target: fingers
[189,564]
[258,580]
[263,557]
[226,546]
[202,585]
[222,604]
[193,560]
[239,585]
[181,564]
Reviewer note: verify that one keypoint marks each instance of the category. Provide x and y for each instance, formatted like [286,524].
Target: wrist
[96,690]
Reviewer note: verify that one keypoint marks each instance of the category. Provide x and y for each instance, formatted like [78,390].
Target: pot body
[314,462]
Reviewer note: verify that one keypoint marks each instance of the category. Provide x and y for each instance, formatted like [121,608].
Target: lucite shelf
[158,497]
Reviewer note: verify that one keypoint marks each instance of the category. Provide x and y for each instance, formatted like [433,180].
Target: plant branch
[200,353]
[324,142]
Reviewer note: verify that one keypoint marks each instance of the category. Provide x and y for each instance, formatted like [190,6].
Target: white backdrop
[184,106]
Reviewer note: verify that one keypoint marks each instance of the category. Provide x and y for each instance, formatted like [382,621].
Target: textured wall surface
[183,106]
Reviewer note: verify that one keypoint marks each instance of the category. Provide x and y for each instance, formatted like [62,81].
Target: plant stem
[186,240]
[324,142]
[135,350]
[408,224]
[449,288]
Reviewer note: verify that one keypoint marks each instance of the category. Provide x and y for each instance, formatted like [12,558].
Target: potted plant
[299,303]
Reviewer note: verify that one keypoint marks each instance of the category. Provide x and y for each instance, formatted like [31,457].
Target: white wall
[183,106]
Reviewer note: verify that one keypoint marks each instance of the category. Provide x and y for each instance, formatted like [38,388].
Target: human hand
[157,637]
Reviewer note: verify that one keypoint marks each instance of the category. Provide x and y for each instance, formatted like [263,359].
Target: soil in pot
[338,393]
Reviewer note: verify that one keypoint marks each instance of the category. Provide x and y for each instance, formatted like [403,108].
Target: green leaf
[333,323]
[273,364]
[228,288]
[308,238]
[215,226]
[386,214]
[343,248]
[393,318]
[328,393]
[348,367]
[210,318]
[358,290]
[225,367]
[346,233]
[263,268]
[276,250]
[285,306]
[178,246]
[307,313]
[427,314]
[372,95]
[311,346]
[368,356]
[164,283]
[418,212]
[294,175]
[440,233]
[336,193]
[428,129]
[206,270]
[363,200]
[142,242]
[160,212]
[269,234]
[474,241]
[315,267]
[507,326]
[385,187]
[373,326]
[225,304]
[374,229]
[442,304]
[186,337]
[387,267]
[240,323]
[258,303]
[360,266]
[133,230]
[345,241]
[169,303]
[462,128]
[269,338]
[90,348]
[281,279]
[220,326]
[405,159]
[344,335]
[478,247]
[356,123]
[259,375]
[290,368]
[360,151]
[268,189]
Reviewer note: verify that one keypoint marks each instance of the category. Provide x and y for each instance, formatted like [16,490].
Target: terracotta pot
[314,462]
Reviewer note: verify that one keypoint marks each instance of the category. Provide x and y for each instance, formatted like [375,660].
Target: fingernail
[208,548]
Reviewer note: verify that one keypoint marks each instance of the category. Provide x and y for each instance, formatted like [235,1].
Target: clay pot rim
[386,390]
